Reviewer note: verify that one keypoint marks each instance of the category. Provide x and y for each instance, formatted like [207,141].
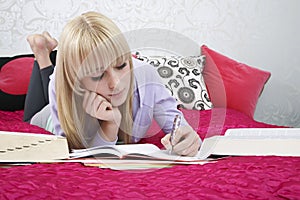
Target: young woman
[98,93]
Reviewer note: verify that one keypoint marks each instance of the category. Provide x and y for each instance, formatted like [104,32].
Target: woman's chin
[118,102]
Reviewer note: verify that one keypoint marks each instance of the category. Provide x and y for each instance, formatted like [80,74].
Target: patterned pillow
[182,76]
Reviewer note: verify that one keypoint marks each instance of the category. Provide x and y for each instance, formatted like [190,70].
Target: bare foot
[41,46]
[51,42]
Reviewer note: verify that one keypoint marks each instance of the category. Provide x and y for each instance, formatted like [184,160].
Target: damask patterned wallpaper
[260,33]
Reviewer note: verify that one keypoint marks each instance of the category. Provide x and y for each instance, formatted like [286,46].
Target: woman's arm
[109,117]
[186,140]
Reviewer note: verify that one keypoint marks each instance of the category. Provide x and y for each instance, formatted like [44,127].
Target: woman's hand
[98,107]
[185,142]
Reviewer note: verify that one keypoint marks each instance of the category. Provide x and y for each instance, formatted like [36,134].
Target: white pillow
[182,76]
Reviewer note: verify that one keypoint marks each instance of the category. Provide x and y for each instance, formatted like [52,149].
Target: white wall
[260,33]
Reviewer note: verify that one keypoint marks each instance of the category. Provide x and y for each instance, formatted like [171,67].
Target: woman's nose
[113,81]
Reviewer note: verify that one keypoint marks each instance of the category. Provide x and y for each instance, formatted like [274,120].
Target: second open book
[244,141]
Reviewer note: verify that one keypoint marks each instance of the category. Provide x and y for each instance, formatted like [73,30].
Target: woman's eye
[97,78]
[122,66]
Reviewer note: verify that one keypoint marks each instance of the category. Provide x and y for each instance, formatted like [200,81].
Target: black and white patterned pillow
[182,76]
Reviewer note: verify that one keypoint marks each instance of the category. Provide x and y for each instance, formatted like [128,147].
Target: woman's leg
[37,94]
[36,97]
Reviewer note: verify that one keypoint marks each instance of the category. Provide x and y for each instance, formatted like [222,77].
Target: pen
[176,124]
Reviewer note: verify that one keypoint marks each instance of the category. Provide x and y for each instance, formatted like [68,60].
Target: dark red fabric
[253,177]
[12,121]
[230,178]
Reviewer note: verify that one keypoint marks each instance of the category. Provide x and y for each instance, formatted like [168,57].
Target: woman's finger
[166,141]
[182,138]
[103,107]
[185,139]
[89,107]
[181,133]
[192,150]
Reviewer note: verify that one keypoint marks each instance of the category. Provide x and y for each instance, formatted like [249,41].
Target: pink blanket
[245,177]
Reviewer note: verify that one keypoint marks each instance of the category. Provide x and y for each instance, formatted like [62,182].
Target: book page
[138,164]
[131,151]
[167,155]
[146,149]
[103,151]
[263,133]
[255,146]
[117,150]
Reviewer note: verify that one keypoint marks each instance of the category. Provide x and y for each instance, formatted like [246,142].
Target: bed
[241,177]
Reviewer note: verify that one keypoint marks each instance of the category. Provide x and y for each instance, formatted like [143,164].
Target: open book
[241,141]
[253,141]
[131,151]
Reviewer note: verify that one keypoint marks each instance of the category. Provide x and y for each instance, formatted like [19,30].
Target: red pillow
[232,84]
[15,76]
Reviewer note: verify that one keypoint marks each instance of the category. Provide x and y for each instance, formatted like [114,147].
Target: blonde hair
[87,42]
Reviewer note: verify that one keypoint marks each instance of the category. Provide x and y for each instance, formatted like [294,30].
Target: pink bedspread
[245,177]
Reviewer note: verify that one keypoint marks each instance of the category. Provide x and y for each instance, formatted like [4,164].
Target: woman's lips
[117,95]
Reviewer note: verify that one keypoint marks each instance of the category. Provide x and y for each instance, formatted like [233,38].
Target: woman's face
[113,84]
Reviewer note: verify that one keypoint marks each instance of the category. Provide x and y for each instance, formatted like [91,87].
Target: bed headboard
[258,33]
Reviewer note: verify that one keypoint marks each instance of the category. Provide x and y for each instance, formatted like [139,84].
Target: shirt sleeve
[165,107]
[53,106]
[155,96]
[99,141]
